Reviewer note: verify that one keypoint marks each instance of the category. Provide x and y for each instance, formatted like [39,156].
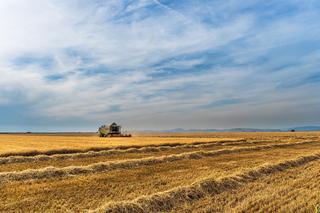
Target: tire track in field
[56,172]
[165,201]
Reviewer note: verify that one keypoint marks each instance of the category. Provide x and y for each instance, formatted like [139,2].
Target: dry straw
[165,201]
[117,148]
[54,172]
[120,150]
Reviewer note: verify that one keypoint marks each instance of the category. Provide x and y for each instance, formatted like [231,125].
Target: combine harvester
[112,130]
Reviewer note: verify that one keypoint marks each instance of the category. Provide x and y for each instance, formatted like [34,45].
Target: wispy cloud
[158,63]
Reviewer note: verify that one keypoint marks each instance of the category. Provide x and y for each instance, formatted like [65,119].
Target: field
[189,172]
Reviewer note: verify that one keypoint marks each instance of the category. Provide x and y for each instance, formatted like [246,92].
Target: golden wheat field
[185,172]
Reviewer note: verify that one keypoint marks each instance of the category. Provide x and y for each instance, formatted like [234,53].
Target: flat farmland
[12,143]
[189,172]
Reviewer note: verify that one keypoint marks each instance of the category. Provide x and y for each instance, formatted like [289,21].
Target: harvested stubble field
[190,172]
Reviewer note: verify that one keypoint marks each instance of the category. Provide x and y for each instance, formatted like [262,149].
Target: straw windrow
[165,201]
[54,172]
[118,148]
[119,151]
[124,150]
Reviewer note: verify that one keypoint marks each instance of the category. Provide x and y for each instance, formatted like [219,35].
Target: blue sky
[158,64]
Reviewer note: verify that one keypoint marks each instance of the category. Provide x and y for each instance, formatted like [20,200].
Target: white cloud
[126,45]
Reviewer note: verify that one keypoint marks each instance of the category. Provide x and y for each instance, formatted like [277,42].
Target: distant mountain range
[300,128]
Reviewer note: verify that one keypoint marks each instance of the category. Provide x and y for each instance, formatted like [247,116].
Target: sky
[158,64]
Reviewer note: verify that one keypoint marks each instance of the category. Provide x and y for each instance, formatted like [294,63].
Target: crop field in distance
[163,172]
